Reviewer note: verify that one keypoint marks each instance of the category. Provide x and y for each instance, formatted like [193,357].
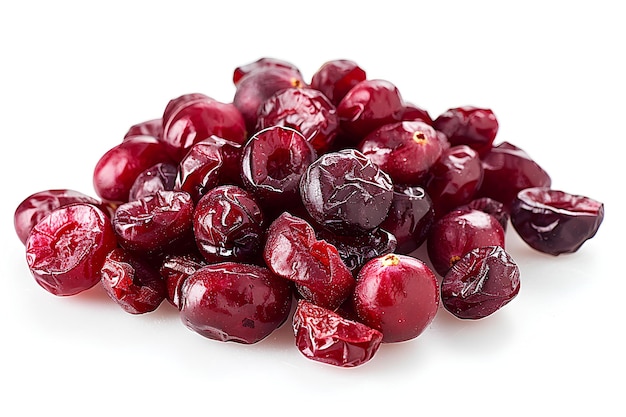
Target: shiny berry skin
[174,270]
[153,128]
[66,249]
[273,162]
[480,283]
[235,302]
[335,78]
[404,150]
[457,233]
[553,221]
[469,125]
[304,109]
[132,282]
[325,336]
[160,177]
[410,217]
[346,193]
[508,170]
[397,295]
[228,225]
[38,205]
[412,112]
[262,63]
[489,206]
[156,223]
[293,252]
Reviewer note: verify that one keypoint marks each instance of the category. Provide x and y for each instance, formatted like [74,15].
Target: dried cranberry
[66,249]
[174,270]
[324,336]
[261,63]
[480,283]
[160,177]
[335,78]
[469,125]
[152,128]
[489,206]
[412,112]
[235,302]
[553,221]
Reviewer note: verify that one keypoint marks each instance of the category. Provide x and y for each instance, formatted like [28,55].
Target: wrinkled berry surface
[174,270]
[335,78]
[160,177]
[469,125]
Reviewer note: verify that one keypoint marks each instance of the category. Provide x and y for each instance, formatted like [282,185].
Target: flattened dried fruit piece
[324,336]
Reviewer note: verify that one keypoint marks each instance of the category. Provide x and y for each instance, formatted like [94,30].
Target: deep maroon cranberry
[553,221]
[410,217]
[261,63]
[66,249]
[324,336]
[175,104]
[457,233]
[153,128]
[336,78]
[198,119]
[174,270]
[293,252]
[235,302]
[489,206]
[509,170]
[156,223]
[160,177]
[398,295]
[413,112]
[367,106]
[38,205]
[472,126]
[259,85]
[346,193]
[209,163]
[454,179]
[132,282]
[116,171]
[404,150]
[228,225]
[480,283]
[304,109]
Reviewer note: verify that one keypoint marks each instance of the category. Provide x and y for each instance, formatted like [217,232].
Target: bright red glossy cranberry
[257,86]
[480,283]
[235,302]
[398,295]
[153,128]
[304,109]
[454,179]
[209,163]
[346,193]
[457,233]
[413,112]
[293,252]
[410,217]
[336,78]
[175,270]
[404,150]
[369,105]
[472,126]
[262,63]
[67,248]
[160,177]
[197,119]
[324,336]
[489,206]
[116,171]
[553,221]
[156,223]
[175,104]
[132,282]
[509,170]
[228,225]
[38,205]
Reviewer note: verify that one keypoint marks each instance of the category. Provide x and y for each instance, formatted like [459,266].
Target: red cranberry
[404,150]
[410,218]
[132,282]
[459,232]
[553,221]
[507,171]
[324,336]
[160,177]
[470,126]
[175,104]
[235,302]
[304,109]
[175,270]
[67,248]
[153,128]
[489,206]
[228,225]
[480,283]
[398,295]
[336,78]
[37,206]
[116,171]
[293,252]
[346,193]
[413,112]
[262,63]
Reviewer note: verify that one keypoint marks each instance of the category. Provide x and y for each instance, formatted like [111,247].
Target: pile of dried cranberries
[305,195]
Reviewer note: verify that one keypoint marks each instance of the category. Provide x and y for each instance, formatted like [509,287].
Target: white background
[75,76]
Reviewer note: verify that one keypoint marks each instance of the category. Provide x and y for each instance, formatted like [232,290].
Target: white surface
[74,77]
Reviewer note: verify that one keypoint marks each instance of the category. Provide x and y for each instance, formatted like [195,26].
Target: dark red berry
[472,126]
[413,112]
[489,206]
[174,270]
[262,63]
[160,177]
[153,128]
[335,78]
